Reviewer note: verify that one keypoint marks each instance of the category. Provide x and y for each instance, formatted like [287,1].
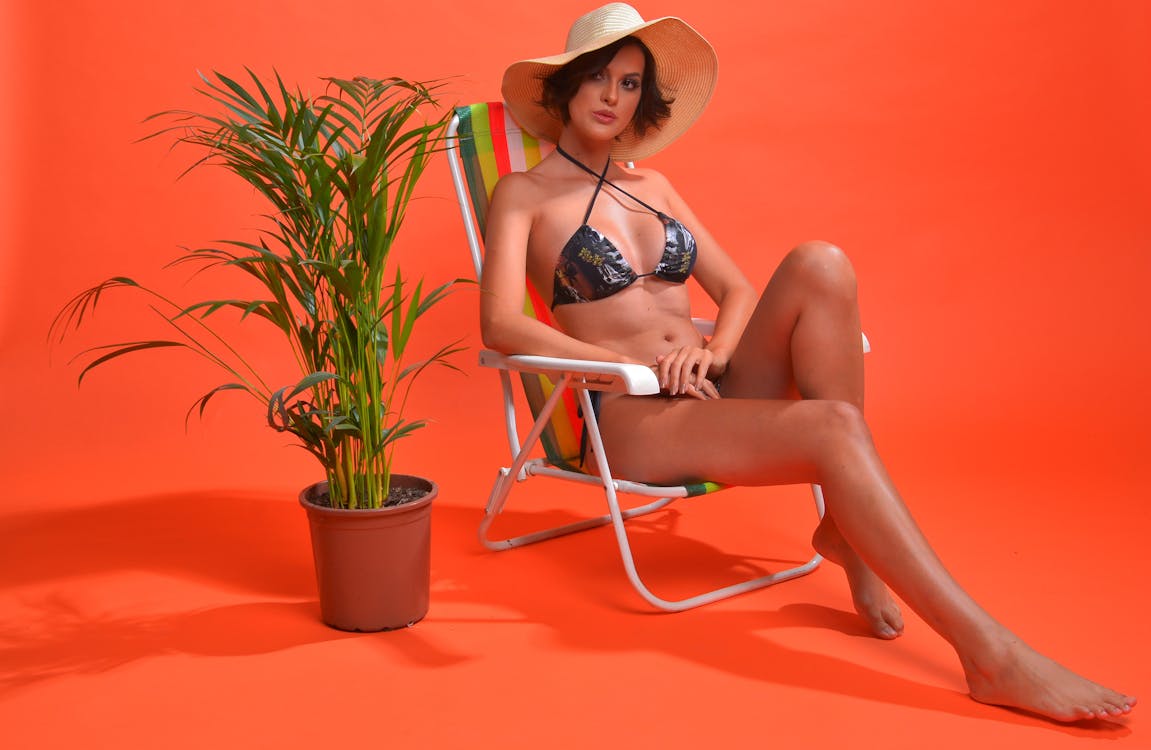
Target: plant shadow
[574,586]
[198,536]
[249,546]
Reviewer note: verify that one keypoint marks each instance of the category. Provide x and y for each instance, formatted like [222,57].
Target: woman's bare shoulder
[513,188]
[654,183]
[651,178]
[647,173]
[524,188]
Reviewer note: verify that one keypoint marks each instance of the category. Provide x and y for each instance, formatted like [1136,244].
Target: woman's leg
[804,340]
[763,442]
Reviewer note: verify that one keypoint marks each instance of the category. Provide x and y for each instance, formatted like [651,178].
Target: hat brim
[686,71]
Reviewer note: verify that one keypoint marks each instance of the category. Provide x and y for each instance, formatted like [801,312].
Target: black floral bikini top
[590,267]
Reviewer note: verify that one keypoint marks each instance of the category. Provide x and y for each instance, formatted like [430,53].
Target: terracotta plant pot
[373,567]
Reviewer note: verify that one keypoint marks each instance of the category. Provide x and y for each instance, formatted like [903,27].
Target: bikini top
[590,267]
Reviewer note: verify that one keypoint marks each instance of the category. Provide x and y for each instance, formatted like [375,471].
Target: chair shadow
[591,606]
[578,591]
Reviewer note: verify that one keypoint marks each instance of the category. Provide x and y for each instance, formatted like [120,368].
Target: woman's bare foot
[1015,675]
[869,594]
[873,601]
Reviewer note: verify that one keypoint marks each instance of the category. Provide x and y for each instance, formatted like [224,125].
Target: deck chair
[484,143]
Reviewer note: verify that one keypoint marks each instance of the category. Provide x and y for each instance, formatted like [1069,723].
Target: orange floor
[188,618]
[987,168]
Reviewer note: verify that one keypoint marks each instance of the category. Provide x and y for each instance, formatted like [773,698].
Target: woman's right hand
[706,392]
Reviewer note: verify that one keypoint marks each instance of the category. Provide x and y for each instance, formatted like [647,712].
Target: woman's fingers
[710,390]
[693,368]
[662,369]
[682,372]
[717,367]
[705,392]
[702,366]
[676,361]
[681,367]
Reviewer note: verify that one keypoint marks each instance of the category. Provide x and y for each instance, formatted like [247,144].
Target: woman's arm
[503,325]
[721,278]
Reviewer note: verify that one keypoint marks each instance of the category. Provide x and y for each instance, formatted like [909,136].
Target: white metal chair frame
[583,376]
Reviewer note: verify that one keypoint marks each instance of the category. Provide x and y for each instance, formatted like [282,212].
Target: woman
[788,362]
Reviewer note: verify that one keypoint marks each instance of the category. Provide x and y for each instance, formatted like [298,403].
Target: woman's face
[606,101]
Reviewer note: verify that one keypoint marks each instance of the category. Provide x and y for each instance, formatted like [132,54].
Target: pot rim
[433,491]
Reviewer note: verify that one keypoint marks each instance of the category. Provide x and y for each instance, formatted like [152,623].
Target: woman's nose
[609,93]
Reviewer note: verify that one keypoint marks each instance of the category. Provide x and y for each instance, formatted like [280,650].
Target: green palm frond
[337,171]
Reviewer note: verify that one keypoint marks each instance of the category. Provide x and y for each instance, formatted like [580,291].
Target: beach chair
[484,143]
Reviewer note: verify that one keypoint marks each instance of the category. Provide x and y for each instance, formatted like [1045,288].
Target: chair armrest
[638,380]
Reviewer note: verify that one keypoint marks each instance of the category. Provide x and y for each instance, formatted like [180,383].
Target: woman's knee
[839,427]
[823,266]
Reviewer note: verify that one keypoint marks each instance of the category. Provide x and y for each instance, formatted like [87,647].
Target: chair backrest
[490,144]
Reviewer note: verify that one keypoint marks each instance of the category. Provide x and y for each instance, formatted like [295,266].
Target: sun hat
[686,69]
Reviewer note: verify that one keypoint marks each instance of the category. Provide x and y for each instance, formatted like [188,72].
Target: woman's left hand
[683,371]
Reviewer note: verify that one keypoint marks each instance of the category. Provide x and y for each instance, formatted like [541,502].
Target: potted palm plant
[338,171]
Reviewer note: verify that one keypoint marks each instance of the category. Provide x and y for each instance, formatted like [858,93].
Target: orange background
[986,166]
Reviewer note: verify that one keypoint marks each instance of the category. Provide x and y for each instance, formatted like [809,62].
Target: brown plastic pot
[373,567]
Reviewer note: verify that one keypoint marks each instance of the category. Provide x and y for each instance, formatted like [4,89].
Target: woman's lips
[604,116]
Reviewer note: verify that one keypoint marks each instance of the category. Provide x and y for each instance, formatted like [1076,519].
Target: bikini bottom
[596,397]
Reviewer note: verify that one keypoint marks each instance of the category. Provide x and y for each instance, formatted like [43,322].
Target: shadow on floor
[256,546]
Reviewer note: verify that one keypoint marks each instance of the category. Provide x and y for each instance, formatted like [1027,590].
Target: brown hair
[560,86]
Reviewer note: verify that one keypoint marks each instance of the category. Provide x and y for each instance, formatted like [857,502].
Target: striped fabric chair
[484,143]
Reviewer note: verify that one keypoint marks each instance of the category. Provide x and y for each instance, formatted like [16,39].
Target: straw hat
[686,69]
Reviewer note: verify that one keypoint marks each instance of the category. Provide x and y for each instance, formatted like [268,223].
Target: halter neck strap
[601,178]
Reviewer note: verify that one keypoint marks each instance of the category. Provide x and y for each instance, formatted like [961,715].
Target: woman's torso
[650,315]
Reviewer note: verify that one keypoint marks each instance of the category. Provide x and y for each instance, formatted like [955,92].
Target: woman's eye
[631,83]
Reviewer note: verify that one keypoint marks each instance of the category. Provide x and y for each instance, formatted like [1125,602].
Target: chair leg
[618,517]
[817,493]
[507,478]
[503,486]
